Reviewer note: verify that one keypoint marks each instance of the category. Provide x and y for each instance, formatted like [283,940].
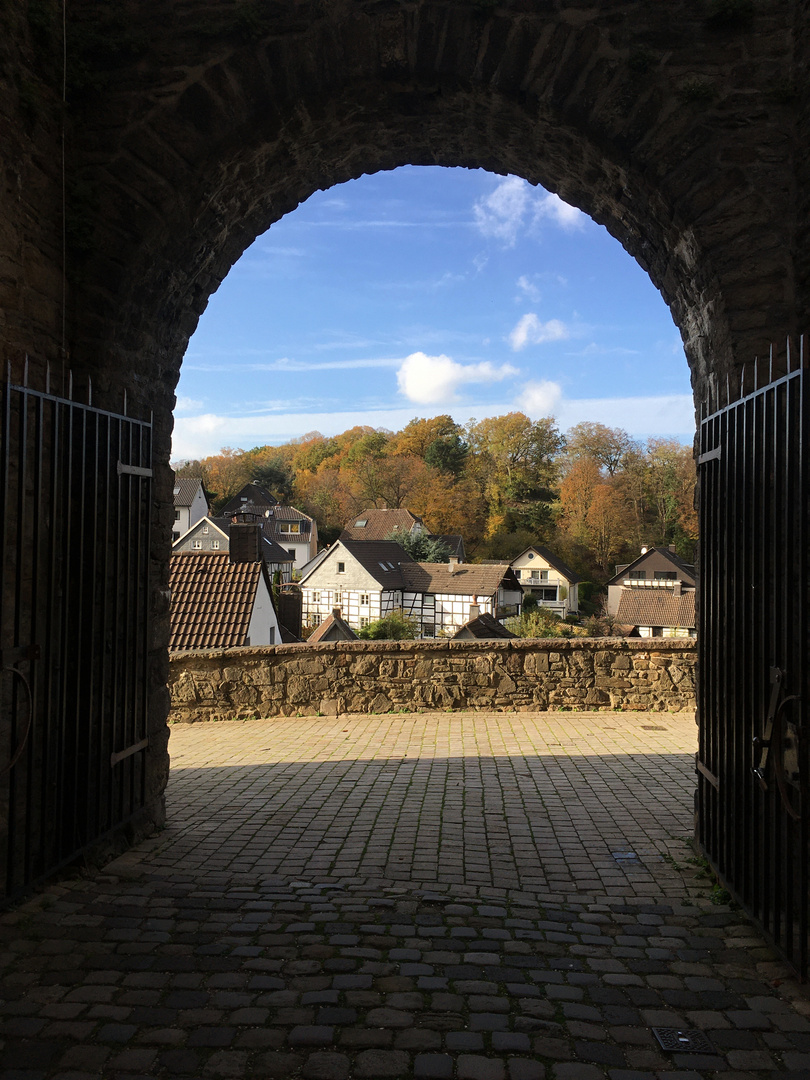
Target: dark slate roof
[553,560]
[467,579]
[686,570]
[383,559]
[640,607]
[185,489]
[212,600]
[379,523]
[252,493]
[333,628]
[316,561]
[483,627]
[271,551]
[454,542]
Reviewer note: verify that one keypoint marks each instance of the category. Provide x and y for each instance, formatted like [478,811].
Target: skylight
[361,524]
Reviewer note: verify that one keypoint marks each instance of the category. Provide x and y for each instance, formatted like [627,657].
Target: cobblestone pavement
[502,897]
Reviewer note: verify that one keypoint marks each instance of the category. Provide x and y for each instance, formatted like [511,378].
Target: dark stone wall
[187,128]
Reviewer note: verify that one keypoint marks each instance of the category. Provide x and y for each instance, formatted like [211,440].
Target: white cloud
[551,208]
[527,290]
[530,331]
[513,207]
[187,405]
[643,417]
[540,398]
[501,213]
[430,380]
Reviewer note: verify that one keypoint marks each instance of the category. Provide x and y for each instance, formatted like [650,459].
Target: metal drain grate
[684,1042]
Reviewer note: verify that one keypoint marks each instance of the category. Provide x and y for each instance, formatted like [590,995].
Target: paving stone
[474,1067]
[433,1066]
[381,1063]
[326,1065]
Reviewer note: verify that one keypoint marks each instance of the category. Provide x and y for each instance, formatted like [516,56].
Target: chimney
[245,542]
[335,612]
[475,611]
[678,588]
[452,564]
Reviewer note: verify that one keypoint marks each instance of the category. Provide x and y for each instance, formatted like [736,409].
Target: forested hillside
[593,495]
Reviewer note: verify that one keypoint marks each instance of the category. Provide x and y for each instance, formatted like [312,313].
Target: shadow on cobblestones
[190,957]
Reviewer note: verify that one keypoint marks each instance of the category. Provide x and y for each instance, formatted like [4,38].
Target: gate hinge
[22,652]
[704,771]
[132,470]
[710,455]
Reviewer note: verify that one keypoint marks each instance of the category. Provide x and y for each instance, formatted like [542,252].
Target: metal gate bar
[75,499]
[752,640]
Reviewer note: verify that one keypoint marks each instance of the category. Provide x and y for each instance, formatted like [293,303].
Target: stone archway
[189,131]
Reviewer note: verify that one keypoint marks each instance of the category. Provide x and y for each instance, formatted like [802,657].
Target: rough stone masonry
[378,677]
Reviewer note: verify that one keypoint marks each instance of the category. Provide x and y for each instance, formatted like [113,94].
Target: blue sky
[424,291]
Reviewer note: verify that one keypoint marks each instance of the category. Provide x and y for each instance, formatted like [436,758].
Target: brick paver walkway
[501,897]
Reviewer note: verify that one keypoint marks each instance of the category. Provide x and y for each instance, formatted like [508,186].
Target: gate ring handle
[18,752]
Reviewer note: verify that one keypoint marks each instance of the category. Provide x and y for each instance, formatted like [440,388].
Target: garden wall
[361,677]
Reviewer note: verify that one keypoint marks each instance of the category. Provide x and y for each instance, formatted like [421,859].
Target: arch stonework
[188,129]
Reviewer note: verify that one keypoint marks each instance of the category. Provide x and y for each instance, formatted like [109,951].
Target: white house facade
[369,580]
[190,504]
[547,578]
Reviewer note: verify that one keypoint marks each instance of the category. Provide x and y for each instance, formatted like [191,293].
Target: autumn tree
[607,446]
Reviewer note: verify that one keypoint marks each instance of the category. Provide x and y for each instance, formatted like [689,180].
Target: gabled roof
[553,560]
[686,572]
[212,599]
[467,579]
[288,513]
[378,524]
[642,608]
[271,551]
[333,628]
[314,562]
[483,627]
[454,542]
[250,493]
[186,489]
[210,522]
[384,560]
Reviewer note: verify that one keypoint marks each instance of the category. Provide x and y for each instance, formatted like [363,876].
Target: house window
[177,515]
[272,635]
[339,599]
[534,575]
[291,552]
[429,630]
[215,545]
[363,599]
[638,575]
[196,544]
[363,621]
[175,536]
[205,530]
[665,575]
[289,526]
[341,568]
[316,598]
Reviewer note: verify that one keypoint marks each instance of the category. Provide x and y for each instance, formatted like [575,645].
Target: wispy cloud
[187,405]
[430,380]
[284,364]
[531,331]
[643,417]
[551,207]
[514,206]
[527,290]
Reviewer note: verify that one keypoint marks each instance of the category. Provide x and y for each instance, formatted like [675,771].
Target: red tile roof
[212,600]
[637,607]
[467,579]
[379,523]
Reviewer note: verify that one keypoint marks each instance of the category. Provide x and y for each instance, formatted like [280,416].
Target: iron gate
[753,802]
[75,504]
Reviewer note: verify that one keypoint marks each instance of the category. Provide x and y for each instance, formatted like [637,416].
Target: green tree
[420,545]
[394,627]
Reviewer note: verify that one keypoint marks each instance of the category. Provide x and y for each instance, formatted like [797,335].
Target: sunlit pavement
[481,897]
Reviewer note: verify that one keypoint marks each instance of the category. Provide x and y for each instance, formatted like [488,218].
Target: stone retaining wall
[361,677]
